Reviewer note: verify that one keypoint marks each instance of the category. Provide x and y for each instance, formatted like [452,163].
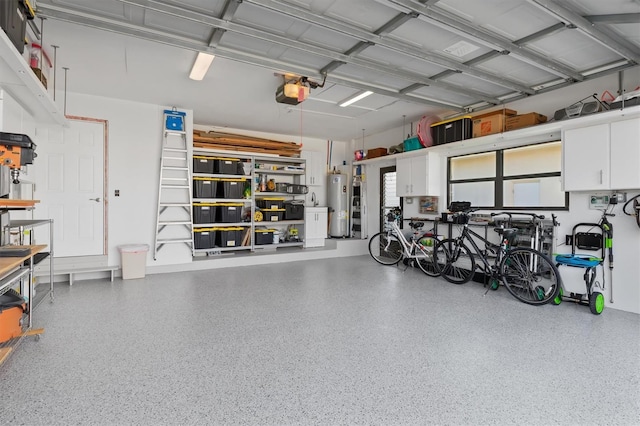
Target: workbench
[17,272]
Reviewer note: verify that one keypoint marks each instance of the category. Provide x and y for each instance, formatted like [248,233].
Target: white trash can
[134,260]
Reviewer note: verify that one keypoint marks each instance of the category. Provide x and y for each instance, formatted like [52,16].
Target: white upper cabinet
[585,158]
[416,176]
[625,154]
[315,173]
[602,157]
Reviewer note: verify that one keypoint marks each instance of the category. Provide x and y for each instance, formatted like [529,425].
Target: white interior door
[69,176]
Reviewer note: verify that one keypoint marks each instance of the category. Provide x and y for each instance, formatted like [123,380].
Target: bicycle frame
[408,247]
[500,249]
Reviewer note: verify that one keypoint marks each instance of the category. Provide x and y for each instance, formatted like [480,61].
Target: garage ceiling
[417,57]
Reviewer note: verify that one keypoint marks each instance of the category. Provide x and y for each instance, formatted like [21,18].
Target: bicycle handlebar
[510,214]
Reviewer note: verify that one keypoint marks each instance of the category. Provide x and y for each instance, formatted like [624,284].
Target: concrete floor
[333,341]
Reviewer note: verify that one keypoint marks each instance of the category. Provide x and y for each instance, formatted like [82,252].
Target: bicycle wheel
[424,259]
[453,261]
[385,248]
[530,276]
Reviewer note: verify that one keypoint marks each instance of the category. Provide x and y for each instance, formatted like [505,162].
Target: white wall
[545,104]
[134,140]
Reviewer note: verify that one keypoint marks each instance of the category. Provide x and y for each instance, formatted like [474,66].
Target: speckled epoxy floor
[336,341]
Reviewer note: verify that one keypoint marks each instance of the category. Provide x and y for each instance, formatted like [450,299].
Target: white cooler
[134,260]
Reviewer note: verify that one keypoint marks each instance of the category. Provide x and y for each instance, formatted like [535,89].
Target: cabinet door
[418,175]
[625,154]
[315,226]
[403,177]
[585,158]
[315,171]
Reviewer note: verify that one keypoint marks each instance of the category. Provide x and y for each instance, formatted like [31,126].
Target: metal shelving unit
[29,224]
[291,170]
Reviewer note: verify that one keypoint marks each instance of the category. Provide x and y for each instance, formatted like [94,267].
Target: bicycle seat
[416,225]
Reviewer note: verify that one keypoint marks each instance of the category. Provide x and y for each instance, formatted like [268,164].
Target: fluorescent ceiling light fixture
[201,66]
[356,98]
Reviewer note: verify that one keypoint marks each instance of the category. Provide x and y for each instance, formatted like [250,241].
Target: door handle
[97,200]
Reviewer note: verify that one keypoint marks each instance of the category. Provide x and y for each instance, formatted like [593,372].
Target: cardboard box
[525,120]
[40,76]
[376,152]
[491,122]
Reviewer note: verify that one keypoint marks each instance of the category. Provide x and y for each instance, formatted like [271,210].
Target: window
[388,197]
[525,177]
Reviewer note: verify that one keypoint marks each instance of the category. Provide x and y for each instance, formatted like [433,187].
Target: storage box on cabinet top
[264,236]
[204,212]
[376,152]
[204,238]
[203,164]
[491,122]
[229,212]
[456,129]
[272,215]
[411,144]
[294,210]
[229,237]
[525,120]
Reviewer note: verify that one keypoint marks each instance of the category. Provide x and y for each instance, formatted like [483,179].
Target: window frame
[500,178]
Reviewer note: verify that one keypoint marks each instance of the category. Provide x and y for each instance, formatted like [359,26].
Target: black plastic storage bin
[204,188]
[230,188]
[204,238]
[203,164]
[229,237]
[230,212]
[453,130]
[270,203]
[13,20]
[294,210]
[272,215]
[264,236]
[204,213]
[227,166]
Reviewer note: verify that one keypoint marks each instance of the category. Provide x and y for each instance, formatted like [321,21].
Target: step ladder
[174,219]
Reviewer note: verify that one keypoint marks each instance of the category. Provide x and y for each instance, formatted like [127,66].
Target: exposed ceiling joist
[229,10]
[297,12]
[465,29]
[121,27]
[606,38]
[305,47]
[614,18]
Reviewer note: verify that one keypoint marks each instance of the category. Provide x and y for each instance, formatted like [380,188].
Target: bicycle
[391,246]
[528,274]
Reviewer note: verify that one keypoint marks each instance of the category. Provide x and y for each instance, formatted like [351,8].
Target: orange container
[10,323]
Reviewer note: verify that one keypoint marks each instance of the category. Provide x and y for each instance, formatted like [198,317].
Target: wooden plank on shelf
[5,202]
[227,141]
[284,153]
